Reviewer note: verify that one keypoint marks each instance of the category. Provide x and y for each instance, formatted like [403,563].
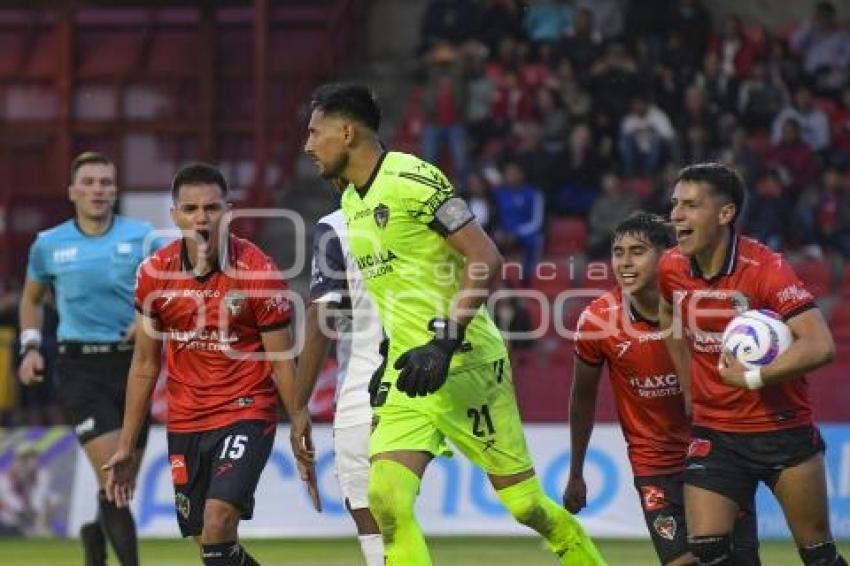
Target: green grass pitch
[460,551]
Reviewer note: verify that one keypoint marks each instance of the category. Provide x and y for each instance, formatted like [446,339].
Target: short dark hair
[350,100]
[722,179]
[198,174]
[650,227]
[88,158]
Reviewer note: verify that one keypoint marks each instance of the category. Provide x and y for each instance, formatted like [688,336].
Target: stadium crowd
[559,118]
[586,109]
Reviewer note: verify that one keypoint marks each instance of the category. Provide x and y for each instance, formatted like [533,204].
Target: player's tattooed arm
[668,320]
[582,414]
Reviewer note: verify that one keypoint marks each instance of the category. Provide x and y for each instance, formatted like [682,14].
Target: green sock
[392,492]
[564,534]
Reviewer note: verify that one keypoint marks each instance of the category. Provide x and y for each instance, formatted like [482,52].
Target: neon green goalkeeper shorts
[475,409]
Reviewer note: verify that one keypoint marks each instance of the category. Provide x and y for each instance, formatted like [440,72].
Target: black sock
[94,544]
[226,554]
[822,554]
[120,529]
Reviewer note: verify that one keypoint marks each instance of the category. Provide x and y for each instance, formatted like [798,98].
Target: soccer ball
[755,338]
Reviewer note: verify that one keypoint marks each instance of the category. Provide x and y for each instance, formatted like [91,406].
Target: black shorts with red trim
[663,504]
[732,463]
[223,463]
[664,512]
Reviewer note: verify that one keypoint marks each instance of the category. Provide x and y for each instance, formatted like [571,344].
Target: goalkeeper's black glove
[378,375]
[423,370]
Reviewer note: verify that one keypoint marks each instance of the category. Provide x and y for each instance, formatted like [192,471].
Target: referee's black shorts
[92,386]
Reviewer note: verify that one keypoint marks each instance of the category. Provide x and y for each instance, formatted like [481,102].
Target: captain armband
[451,216]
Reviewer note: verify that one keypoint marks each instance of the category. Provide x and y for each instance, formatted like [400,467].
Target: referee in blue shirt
[90,261]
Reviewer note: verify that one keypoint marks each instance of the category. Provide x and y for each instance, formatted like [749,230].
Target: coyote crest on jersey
[235,301]
[665,526]
[382,215]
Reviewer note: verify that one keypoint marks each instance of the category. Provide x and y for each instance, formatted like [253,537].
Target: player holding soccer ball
[427,265]
[749,426]
[620,329]
[218,305]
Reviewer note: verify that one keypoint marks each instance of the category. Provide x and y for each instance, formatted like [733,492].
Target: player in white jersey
[337,297]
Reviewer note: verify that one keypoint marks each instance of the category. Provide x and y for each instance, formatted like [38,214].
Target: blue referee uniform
[93,277]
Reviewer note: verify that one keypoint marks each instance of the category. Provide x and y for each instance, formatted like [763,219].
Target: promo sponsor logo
[699,448]
[85,427]
[223,468]
[652,497]
[179,472]
[660,385]
[793,293]
[65,255]
[376,264]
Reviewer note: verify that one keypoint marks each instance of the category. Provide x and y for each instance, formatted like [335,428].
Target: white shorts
[351,462]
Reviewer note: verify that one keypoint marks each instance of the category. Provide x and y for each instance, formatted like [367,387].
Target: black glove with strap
[378,374]
[423,370]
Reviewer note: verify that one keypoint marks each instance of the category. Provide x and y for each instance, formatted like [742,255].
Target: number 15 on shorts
[233,447]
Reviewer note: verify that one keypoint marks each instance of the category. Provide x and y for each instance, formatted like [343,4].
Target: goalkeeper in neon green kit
[427,265]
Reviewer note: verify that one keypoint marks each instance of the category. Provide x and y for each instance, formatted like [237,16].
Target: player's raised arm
[30,312]
[676,347]
[144,371]
[582,414]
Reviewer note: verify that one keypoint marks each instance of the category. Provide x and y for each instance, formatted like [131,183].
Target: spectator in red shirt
[444,102]
[735,49]
[794,156]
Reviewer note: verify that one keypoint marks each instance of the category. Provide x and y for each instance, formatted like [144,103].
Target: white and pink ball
[757,337]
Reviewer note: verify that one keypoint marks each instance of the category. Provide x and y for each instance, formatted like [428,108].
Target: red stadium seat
[566,236]
[551,277]
[598,275]
[815,275]
[641,187]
